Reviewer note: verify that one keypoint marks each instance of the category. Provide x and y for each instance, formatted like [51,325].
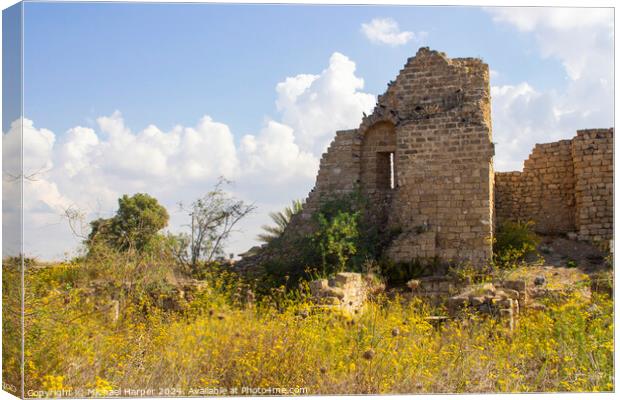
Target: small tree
[213,218]
[337,239]
[136,223]
[281,220]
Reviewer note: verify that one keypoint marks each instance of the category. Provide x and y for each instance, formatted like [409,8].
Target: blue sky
[164,98]
[169,64]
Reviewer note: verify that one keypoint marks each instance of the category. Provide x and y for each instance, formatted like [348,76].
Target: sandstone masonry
[346,290]
[565,187]
[424,159]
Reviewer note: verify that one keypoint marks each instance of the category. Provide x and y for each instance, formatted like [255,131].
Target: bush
[400,273]
[336,240]
[346,238]
[146,271]
[513,241]
[372,239]
[295,260]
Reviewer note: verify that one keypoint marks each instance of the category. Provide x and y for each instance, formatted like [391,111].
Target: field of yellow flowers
[218,346]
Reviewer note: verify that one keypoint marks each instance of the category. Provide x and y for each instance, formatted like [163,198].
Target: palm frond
[281,220]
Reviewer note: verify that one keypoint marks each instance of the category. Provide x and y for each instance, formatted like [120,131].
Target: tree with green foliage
[135,224]
[337,239]
[281,220]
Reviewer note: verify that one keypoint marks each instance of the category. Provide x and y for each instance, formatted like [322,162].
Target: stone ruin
[424,159]
[566,187]
[346,290]
[500,299]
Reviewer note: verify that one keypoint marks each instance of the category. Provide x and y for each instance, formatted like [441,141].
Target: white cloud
[528,19]
[274,152]
[521,118]
[38,192]
[39,143]
[41,195]
[582,40]
[178,155]
[76,151]
[579,37]
[387,31]
[315,106]
[89,168]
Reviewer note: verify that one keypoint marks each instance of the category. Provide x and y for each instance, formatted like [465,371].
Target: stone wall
[339,170]
[442,200]
[543,192]
[565,186]
[593,160]
[435,289]
[424,160]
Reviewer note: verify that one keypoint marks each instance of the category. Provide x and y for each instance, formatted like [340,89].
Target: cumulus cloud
[39,143]
[582,40]
[275,153]
[40,195]
[557,18]
[88,168]
[38,192]
[315,106]
[522,117]
[387,31]
[579,37]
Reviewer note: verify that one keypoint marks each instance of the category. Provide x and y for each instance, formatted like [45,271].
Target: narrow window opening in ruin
[392,175]
[386,171]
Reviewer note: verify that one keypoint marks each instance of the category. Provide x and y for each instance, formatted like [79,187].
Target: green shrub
[571,263]
[401,272]
[293,259]
[336,240]
[372,236]
[513,241]
[346,237]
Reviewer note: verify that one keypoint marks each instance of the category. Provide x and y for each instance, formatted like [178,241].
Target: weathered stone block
[332,292]
[317,285]
[518,285]
[510,293]
[343,278]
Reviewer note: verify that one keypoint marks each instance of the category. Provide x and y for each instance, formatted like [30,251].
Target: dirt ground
[567,265]
[562,252]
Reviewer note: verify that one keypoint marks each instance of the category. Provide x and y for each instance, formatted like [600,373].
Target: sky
[165,98]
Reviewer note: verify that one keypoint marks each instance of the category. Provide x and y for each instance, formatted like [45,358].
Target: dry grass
[388,348]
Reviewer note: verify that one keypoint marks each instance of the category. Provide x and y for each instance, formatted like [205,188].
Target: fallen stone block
[317,285]
[518,285]
[343,278]
[332,292]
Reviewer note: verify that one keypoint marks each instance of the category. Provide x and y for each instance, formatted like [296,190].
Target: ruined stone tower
[424,160]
